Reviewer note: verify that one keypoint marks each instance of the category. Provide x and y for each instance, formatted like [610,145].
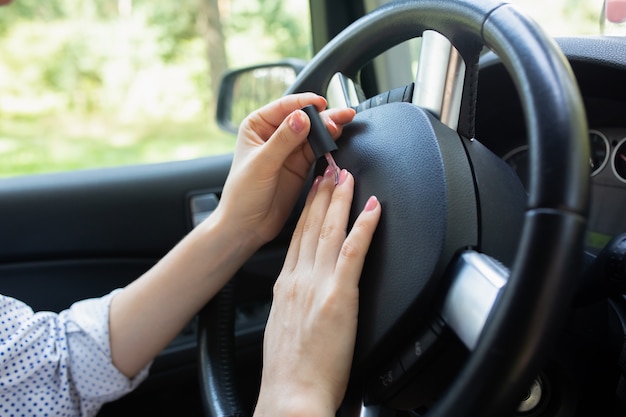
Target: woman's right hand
[270,167]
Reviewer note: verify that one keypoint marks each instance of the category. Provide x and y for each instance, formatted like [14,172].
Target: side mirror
[244,90]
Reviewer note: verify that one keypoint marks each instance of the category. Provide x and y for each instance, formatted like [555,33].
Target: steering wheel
[466,268]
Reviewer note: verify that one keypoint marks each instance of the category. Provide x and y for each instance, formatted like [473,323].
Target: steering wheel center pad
[419,171]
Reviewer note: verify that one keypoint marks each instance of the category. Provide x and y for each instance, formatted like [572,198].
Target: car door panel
[82,234]
[131,212]
[77,235]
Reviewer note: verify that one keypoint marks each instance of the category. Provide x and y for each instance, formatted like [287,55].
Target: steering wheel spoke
[343,92]
[477,281]
[375,411]
[440,78]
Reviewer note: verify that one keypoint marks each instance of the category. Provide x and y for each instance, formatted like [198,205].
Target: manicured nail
[333,125]
[296,122]
[316,184]
[371,204]
[329,172]
[343,176]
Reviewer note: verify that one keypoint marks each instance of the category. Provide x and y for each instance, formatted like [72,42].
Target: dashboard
[608,186]
[599,65]
[607,164]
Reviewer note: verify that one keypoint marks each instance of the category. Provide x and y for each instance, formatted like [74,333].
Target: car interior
[496,281]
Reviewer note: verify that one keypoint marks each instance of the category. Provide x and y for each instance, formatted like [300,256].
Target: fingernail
[371,204]
[333,125]
[296,122]
[343,176]
[316,184]
[329,172]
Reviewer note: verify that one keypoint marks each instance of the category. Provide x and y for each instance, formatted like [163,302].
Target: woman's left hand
[311,330]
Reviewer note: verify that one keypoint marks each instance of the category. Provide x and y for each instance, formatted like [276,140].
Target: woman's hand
[271,163]
[270,166]
[310,334]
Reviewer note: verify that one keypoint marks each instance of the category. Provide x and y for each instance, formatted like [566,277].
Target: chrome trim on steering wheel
[439,84]
[478,280]
[342,92]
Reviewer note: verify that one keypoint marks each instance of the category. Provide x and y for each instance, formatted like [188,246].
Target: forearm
[269,168]
[152,310]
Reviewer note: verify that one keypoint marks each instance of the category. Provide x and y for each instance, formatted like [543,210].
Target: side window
[95,83]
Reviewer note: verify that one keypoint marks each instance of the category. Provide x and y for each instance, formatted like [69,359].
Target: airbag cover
[393,153]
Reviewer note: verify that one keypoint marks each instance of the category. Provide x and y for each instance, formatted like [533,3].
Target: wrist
[230,232]
[282,405]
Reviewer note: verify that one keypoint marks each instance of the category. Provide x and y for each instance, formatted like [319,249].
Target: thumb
[290,135]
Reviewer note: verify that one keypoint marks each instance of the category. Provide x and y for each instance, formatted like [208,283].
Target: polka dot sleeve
[58,365]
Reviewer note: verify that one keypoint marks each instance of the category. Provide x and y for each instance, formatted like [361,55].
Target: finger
[336,118]
[291,258]
[293,131]
[356,245]
[269,117]
[289,136]
[333,232]
[315,219]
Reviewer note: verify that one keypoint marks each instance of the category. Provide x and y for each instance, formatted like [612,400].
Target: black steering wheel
[443,324]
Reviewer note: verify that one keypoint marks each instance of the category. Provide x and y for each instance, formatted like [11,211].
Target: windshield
[564,17]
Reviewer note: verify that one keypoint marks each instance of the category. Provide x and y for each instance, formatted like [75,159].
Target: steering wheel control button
[385,384]
[395,376]
[411,357]
[397,95]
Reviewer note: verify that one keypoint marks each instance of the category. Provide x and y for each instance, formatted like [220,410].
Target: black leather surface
[401,154]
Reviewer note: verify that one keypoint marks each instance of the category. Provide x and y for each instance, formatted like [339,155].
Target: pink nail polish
[296,121]
[316,184]
[332,124]
[371,204]
[332,165]
[343,175]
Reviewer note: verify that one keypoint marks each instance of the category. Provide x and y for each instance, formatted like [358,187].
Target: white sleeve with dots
[58,364]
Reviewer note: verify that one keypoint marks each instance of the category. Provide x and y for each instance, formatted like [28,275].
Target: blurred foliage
[78,75]
[175,22]
[564,17]
[30,10]
[57,143]
[272,16]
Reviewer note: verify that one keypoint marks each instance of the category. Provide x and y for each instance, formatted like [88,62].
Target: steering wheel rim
[537,296]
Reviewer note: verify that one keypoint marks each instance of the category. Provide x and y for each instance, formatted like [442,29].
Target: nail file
[320,140]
